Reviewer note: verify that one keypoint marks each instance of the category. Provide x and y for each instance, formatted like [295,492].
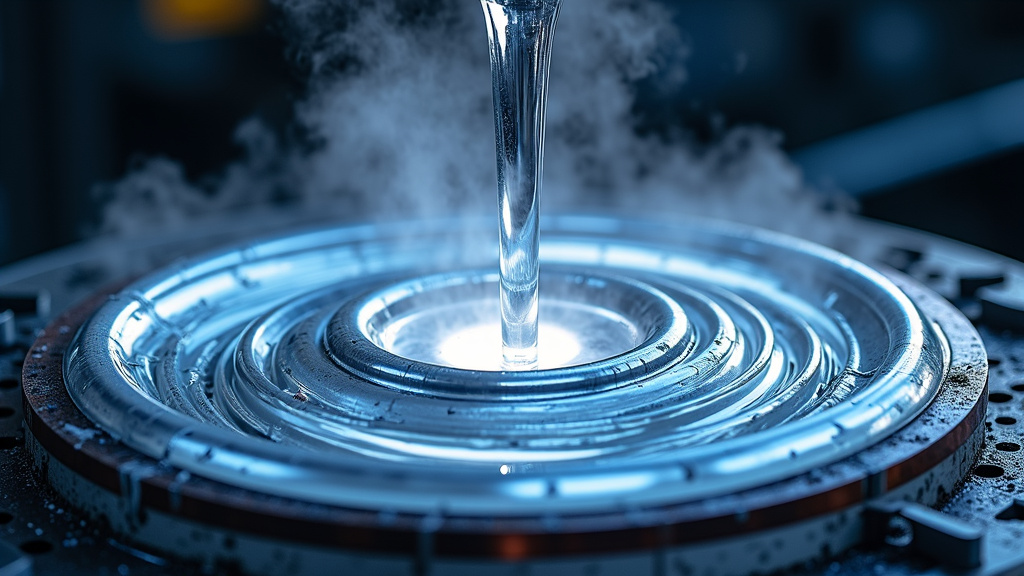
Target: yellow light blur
[194,19]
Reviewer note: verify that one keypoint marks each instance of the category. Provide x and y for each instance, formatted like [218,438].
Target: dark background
[88,85]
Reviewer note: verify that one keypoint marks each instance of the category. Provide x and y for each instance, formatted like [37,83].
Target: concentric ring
[253,367]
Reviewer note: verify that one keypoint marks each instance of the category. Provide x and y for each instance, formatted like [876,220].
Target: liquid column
[520,33]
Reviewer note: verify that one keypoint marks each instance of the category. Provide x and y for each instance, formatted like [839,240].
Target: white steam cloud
[399,122]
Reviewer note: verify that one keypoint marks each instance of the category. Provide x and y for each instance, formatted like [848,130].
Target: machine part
[11,421]
[1002,303]
[944,538]
[855,357]
[37,304]
[79,543]
[938,536]
[790,357]
[7,329]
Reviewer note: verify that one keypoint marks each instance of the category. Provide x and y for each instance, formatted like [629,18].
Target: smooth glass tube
[520,33]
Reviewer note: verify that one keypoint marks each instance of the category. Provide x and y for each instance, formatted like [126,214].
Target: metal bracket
[938,536]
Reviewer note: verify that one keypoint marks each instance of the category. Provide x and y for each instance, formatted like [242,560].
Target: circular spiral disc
[694,360]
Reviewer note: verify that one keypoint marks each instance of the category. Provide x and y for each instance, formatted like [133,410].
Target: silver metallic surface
[785,356]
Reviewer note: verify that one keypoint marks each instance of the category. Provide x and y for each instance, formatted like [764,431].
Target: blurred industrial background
[87,86]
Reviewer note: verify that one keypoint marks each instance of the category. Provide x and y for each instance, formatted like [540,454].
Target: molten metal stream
[520,33]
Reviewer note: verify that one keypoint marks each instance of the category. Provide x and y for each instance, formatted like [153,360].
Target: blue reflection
[918,144]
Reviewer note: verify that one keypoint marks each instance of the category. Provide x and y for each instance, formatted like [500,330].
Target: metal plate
[924,460]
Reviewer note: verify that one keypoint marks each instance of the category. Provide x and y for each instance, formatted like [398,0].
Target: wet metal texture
[164,515]
[265,364]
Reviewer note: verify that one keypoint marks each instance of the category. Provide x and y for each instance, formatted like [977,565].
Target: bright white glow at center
[479,347]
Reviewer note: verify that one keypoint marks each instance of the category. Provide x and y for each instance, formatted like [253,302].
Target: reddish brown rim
[943,431]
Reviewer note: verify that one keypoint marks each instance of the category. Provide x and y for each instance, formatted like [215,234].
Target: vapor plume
[397,121]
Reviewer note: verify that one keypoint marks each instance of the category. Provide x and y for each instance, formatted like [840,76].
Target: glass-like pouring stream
[520,33]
